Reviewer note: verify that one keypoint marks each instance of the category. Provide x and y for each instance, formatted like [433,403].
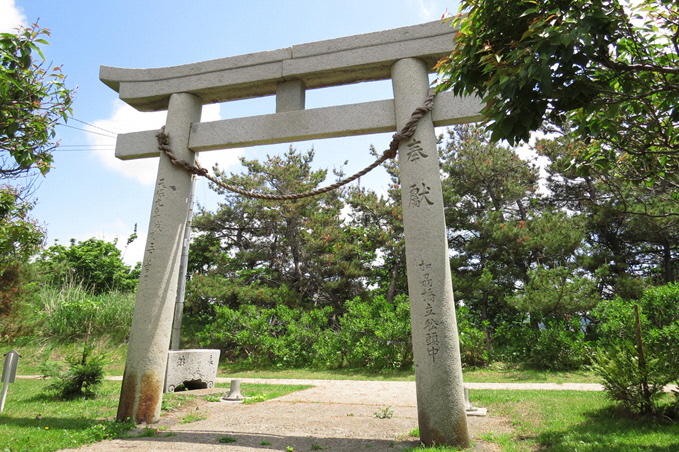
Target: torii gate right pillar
[438,369]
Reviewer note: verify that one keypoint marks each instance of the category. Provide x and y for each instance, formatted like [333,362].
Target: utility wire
[89,131]
[92,125]
[66,149]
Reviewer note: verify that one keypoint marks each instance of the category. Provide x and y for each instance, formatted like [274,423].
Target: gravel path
[337,415]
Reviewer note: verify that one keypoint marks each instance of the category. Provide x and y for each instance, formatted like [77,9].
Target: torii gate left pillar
[142,389]
[405,56]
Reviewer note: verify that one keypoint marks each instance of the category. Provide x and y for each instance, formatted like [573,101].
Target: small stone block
[474,411]
[194,368]
[290,96]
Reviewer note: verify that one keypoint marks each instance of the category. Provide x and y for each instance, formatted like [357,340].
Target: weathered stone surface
[290,96]
[438,370]
[196,369]
[395,35]
[141,392]
[300,125]
[326,63]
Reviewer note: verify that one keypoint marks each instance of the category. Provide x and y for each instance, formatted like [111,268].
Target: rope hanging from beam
[405,133]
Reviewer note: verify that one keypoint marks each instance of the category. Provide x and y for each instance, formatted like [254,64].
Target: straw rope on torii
[404,134]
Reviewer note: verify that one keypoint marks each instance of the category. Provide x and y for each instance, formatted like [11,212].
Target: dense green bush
[560,346]
[635,386]
[373,334]
[513,342]
[636,361]
[82,378]
[473,348]
[279,336]
[557,344]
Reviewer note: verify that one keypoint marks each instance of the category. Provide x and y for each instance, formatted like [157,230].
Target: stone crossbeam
[299,125]
[341,61]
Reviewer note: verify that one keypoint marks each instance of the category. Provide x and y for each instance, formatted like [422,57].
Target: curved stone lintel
[333,62]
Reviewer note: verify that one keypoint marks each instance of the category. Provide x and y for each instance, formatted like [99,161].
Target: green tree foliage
[302,253]
[608,68]
[381,219]
[95,264]
[632,230]
[486,188]
[512,253]
[20,238]
[33,98]
[530,256]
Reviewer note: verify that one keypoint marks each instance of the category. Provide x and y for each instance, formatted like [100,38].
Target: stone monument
[404,55]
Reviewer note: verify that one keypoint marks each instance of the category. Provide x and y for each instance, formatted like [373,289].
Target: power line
[92,125]
[66,149]
[84,148]
[89,131]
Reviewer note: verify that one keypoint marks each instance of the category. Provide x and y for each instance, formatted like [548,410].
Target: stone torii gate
[404,55]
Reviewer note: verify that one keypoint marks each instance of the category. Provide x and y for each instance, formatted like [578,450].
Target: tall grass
[72,313]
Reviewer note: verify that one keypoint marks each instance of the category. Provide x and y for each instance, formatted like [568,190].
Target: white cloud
[11,16]
[430,10]
[126,119]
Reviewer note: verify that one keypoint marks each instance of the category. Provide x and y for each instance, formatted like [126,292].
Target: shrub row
[373,335]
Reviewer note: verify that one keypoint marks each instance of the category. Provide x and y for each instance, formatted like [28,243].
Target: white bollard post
[9,371]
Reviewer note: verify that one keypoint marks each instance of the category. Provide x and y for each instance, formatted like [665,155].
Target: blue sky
[89,193]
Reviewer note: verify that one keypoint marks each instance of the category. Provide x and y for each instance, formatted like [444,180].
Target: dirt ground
[333,415]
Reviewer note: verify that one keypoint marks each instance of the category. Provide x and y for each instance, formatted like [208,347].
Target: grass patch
[37,423]
[567,421]
[497,373]
[35,352]
[504,373]
[193,417]
[384,413]
[573,421]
